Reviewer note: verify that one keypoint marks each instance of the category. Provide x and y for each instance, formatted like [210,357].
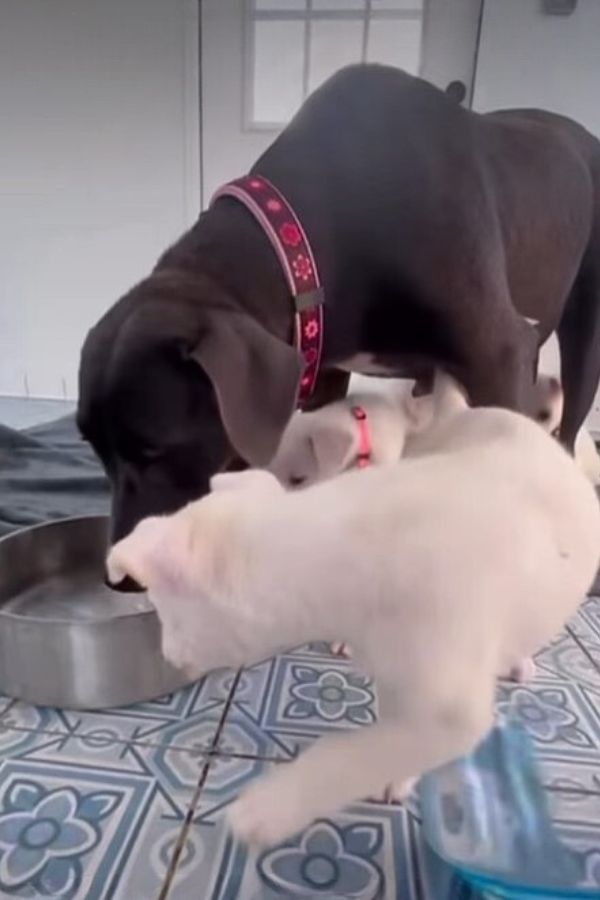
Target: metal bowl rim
[72,622]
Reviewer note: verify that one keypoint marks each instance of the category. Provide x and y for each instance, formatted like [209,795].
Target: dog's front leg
[340,769]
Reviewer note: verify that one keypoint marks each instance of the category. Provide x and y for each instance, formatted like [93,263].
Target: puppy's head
[548,402]
[319,445]
[191,561]
[316,446]
[176,384]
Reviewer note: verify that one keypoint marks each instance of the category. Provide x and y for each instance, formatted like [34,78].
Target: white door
[261,58]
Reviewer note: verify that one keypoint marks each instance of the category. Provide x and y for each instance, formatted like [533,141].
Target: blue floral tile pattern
[118,804]
[78,819]
[556,715]
[363,853]
[44,834]
[154,721]
[585,628]
[331,695]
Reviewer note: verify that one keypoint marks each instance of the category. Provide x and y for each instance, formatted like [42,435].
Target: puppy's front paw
[396,792]
[523,671]
[264,816]
[340,649]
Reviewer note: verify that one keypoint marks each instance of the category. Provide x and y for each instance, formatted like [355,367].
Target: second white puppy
[472,556]
[381,426]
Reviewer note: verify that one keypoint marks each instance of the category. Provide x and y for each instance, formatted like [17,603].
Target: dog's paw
[395,792]
[340,649]
[523,671]
[264,816]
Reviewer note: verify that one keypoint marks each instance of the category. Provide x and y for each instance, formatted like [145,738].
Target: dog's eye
[296,480]
[543,416]
[151,454]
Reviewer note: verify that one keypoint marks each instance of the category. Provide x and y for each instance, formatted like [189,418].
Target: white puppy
[318,445]
[442,571]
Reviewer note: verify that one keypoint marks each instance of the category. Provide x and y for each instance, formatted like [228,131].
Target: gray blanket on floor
[48,472]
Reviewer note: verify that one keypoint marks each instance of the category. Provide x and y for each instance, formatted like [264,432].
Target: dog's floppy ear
[255,377]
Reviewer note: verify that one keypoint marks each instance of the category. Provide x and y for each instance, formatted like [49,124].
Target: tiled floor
[129,804]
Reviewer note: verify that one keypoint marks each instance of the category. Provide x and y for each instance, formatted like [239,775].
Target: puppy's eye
[296,480]
[543,416]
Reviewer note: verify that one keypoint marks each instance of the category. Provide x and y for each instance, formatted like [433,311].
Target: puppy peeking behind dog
[404,562]
[380,427]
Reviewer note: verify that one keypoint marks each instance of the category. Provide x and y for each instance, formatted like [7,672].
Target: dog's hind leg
[579,342]
[497,368]
[489,347]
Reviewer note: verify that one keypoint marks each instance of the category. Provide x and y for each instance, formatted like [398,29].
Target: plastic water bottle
[487,823]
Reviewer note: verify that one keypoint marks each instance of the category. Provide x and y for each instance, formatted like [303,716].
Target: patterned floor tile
[558,658]
[174,718]
[585,628]
[557,714]
[570,776]
[282,705]
[362,853]
[90,820]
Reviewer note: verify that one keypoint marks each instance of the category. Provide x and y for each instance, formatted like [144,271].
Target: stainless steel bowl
[66,639]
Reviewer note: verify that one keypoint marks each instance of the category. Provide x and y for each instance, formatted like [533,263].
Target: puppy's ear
[134,556]
[332,447]
[255,377]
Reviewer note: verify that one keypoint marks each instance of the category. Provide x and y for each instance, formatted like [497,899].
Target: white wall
[99,168]
[527,58]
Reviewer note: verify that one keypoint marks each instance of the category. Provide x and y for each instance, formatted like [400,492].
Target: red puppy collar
[365,447]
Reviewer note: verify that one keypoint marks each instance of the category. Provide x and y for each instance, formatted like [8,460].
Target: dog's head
[192,564]
[548,400]
[175,384]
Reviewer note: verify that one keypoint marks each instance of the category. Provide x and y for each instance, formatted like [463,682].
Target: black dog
[436,231]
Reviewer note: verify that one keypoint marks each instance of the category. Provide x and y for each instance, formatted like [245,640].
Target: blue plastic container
[486,816]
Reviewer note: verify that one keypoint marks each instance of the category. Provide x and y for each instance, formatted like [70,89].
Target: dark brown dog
[436,231]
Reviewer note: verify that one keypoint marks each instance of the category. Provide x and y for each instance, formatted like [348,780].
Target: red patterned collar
[365,444]
[281,225]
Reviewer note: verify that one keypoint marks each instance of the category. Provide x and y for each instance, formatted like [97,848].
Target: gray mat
[48,472]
